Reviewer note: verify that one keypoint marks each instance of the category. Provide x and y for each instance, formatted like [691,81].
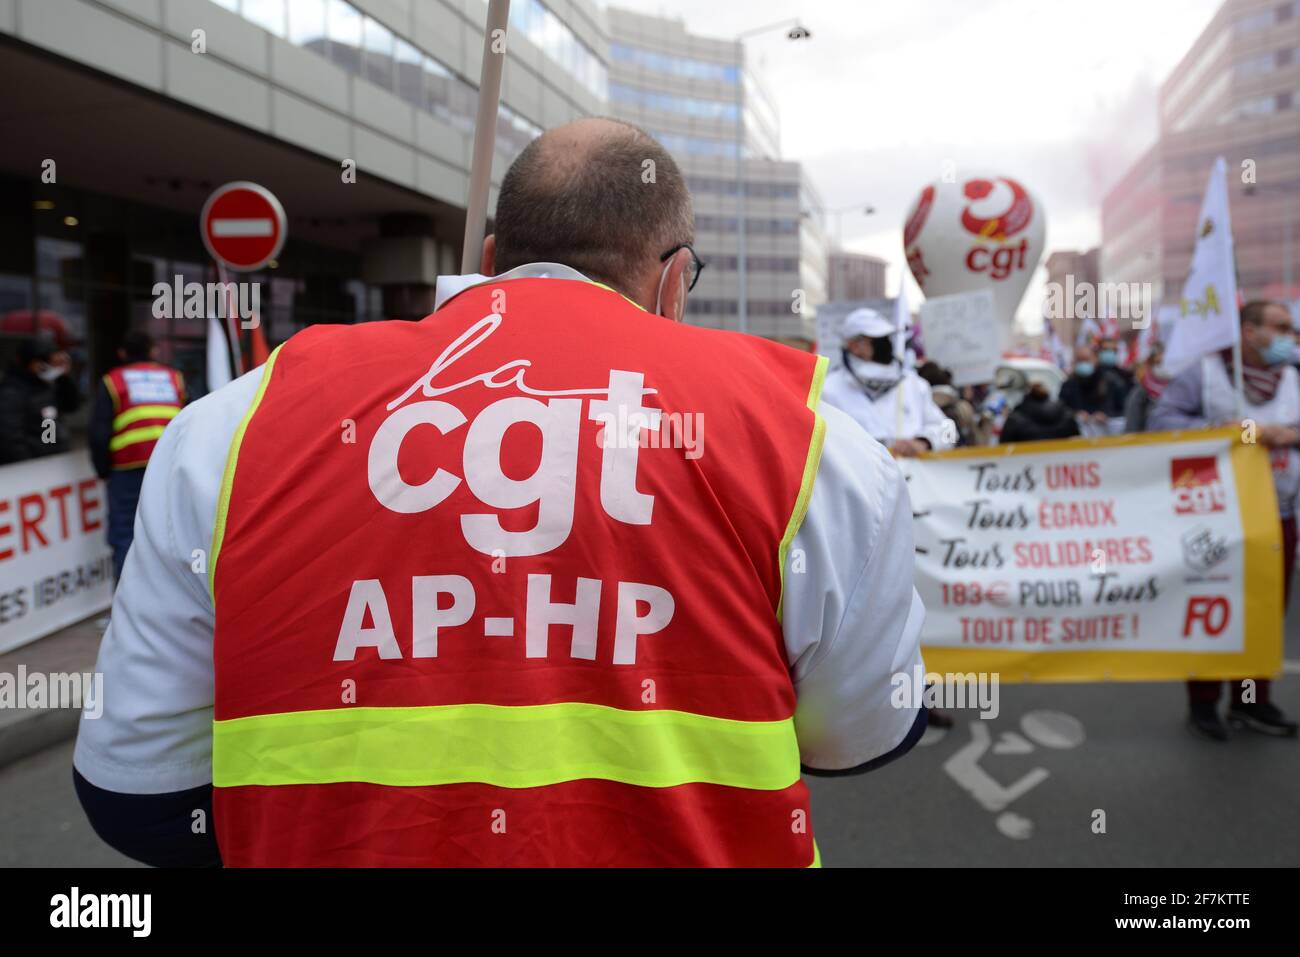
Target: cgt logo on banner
[1079,560]
[1197,489]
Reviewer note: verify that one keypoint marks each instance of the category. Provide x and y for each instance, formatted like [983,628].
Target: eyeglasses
[693,270]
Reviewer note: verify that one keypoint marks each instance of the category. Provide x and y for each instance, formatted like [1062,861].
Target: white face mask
[874,371]
[50,373]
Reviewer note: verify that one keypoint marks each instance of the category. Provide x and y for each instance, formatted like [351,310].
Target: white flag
[218,355]
[1209,320]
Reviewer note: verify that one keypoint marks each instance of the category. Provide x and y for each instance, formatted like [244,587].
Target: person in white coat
[877,390]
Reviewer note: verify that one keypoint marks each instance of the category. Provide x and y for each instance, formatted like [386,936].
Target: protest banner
[1138,557]
[55,565]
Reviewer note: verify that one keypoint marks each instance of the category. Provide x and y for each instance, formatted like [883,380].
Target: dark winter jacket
[1037,418]
[26,402]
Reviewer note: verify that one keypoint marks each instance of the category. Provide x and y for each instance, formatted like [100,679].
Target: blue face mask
[1280,350]
[1108,357]
[1083,369]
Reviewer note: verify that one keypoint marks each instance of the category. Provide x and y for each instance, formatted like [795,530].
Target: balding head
[584,195]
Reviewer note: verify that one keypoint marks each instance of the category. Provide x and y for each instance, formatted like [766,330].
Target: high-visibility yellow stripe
[512,747]
[809,473]
[139,412]
[228,477]
[135,436]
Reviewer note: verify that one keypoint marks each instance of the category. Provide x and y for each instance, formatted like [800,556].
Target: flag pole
[1239,377]
[230,321]
[485,125]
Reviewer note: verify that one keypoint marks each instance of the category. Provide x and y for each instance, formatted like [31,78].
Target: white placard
[55,564]
[963,335]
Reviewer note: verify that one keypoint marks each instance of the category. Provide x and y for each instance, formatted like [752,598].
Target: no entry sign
[243,226]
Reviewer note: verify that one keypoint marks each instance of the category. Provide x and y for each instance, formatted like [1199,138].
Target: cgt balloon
[981,231]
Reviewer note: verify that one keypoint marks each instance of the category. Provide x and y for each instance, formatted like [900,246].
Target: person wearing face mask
[1203,395]
[875,388]
[35,392]
[1151,379]
[1096,389]
[581,562]
[1108,353]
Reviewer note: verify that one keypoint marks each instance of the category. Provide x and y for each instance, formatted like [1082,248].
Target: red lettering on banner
[88,505]
[1076,514]
[1212,611]
[1074,553]
[988,631]
[1081,475]
[28,523]
[59,495]
[1097,628]
[5,529]
[43,517]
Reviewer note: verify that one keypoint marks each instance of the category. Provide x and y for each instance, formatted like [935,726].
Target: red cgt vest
[502,587]
[146,396]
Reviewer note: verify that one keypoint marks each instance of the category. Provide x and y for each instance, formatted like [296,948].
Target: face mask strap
[659,296]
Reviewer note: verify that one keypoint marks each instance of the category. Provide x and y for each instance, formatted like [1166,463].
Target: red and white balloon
[981,231]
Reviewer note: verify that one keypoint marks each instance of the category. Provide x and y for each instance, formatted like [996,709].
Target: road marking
[1012,743]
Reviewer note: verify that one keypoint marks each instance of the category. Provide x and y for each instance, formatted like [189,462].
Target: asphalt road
[1166,798]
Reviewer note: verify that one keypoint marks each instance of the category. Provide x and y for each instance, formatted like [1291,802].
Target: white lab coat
[907,411]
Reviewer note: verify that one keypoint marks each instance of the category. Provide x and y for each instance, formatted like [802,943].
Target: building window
[410,77]
[379,49]
[1256,106]
[753,226]
[1254,66]
[343,26]
[674,65]
[669,103]
[307,24]
[267,14]
[696,145]
[534,20]
[1254,22]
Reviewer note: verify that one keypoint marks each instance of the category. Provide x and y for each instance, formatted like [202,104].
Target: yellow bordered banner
[1139,557]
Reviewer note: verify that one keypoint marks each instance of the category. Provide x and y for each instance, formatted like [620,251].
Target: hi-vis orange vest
[146,396]
[503,587]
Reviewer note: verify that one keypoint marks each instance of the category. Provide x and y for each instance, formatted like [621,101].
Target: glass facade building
[695,96]
[1236,94]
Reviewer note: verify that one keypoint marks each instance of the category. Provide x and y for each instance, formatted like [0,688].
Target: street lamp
[867,210]
[794,31]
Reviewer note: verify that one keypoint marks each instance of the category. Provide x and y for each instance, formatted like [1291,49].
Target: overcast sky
[1060,93]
